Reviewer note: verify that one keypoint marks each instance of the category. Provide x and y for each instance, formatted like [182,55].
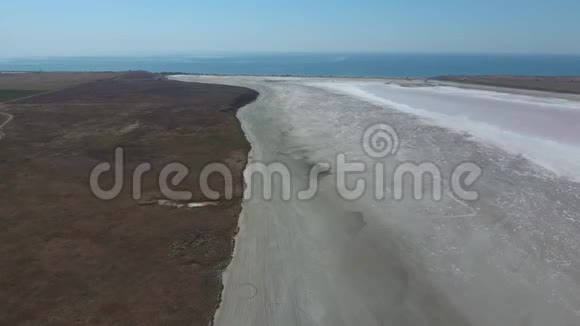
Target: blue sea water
[379,65]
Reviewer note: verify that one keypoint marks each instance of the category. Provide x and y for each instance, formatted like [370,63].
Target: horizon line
[269,52]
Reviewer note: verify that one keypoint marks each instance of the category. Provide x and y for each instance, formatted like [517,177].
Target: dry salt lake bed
[512,257]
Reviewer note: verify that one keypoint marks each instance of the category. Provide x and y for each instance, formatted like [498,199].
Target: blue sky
[89,27]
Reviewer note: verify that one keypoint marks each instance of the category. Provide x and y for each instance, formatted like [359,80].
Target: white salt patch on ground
[170,203]
[202,204]
[129,128]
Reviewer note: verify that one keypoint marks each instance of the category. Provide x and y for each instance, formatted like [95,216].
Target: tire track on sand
[9,117]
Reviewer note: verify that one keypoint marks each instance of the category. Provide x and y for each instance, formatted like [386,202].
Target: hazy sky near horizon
[107,27]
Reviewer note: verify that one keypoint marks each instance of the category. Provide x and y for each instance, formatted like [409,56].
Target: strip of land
[67,257]
[570,84]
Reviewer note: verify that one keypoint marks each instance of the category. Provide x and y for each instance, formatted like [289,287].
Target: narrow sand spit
[512,257]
